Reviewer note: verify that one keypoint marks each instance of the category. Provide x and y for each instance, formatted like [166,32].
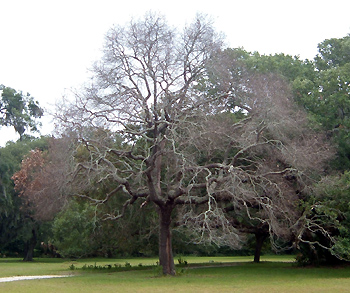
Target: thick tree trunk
[166,258]
[260,238]
[31,243]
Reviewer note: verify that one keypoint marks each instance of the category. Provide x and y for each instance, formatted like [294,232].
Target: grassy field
[236,274]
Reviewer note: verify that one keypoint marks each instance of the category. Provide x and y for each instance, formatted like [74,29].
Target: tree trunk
[30,245]
[260,238]
[166,258]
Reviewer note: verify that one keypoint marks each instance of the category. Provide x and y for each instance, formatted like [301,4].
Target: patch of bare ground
[21,278]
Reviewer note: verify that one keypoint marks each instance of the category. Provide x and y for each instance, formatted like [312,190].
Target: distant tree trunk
[30,245]
[259,238]
[166,258]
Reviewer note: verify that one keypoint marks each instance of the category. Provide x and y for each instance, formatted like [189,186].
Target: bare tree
[147,124]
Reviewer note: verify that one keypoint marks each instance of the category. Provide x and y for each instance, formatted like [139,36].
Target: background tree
[72,231]
[273,145]
[21,178]
[265,103]
[326,97]
[321,87]
[39,183]
[333,53]
[325,238]
[19,110]
[41,179]
[15,229]
[78,231]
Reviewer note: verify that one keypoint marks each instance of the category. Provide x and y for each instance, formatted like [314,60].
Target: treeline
[181,145]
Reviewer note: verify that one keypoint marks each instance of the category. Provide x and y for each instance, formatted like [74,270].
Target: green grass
[274,274]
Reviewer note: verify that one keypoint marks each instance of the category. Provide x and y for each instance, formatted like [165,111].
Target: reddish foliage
[39,182]
[27,180]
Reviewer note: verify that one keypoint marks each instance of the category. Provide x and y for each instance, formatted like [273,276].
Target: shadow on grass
[36,260]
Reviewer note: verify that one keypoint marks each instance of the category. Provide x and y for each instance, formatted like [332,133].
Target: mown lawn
[239,274]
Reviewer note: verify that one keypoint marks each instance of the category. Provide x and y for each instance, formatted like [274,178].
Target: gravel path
[20,278]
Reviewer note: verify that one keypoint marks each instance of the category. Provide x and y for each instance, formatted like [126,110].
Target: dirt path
[20,278]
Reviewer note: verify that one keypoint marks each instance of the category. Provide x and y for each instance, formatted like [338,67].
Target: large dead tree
[147,125]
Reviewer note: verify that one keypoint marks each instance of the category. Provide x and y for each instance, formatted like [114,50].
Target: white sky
[46,46]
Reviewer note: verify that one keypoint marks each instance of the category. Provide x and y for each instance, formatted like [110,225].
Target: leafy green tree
[327,217]
[19,110]
[72,230]
[333,53]
[300,74]
[291,68]
[326,96]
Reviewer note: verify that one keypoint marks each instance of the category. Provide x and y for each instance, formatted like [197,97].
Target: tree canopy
[19,111]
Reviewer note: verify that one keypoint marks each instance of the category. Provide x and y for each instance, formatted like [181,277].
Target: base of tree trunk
[260,238]
[31,243]
[166,258]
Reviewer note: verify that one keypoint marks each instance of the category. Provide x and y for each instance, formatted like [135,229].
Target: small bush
[72,267]
[182,262]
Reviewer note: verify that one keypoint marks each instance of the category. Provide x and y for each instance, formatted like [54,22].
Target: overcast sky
[46,46]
